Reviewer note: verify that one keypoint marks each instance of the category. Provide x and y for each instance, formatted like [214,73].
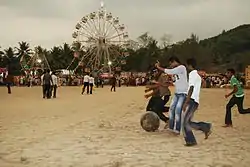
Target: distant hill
[230,48]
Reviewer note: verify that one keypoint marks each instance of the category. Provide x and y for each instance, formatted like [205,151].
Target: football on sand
[150,121]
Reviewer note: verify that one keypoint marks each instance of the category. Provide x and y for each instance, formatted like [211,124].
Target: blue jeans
[188,125]
[175,112]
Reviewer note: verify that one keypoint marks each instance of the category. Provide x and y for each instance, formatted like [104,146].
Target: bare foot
[208,133]
[174,133]
[227,126]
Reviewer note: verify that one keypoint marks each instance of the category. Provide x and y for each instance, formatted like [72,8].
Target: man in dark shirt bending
[47,82]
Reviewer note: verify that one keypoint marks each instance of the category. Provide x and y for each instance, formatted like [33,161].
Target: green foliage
[228,49]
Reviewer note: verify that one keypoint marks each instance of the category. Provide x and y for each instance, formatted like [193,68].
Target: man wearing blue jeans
[179,74]
[191,104]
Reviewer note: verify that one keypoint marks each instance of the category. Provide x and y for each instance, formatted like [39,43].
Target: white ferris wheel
[104,40]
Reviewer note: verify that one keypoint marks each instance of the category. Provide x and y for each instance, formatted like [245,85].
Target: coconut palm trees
[2,63]
[66,55]
[1,52]
[39,59]
[55,62]
[11,61]
[23,54]
[77,48]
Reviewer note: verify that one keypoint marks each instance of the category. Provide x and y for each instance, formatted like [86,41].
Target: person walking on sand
[113,83]
[190,106]
[179,74]
[9,80]
[42,83]
[91,83]
[236,99]
[85,83]
[54,84]
[47,80]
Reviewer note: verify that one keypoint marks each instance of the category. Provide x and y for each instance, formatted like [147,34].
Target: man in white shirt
[54,84]
[42,83]
[85,83]
[91,83]
[191,104]
[179,74]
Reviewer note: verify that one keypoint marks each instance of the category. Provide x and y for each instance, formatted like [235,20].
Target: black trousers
[54,87]
[165,100]
[91,88]
[9,87]
[156,104]
[112,88]
[235,101]
[43,89]
[47,91]
[85,85]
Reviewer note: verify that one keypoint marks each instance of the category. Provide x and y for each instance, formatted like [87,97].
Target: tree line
[228,49]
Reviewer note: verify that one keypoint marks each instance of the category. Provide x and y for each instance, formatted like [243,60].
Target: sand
[103,130]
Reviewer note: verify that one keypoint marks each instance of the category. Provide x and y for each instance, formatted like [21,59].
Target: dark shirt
[47,79]
[113,81]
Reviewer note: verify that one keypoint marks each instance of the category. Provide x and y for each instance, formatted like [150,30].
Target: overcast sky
[51,22]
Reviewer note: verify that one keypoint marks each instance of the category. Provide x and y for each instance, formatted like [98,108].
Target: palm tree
[66,56]
[56,57]
[39,59]
[23,53]
[12,63]
[2,59]
[165,40]
[77,48]
[1,52]
[24,49]
[145,39]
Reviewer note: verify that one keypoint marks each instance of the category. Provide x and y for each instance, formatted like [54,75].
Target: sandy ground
[102,130]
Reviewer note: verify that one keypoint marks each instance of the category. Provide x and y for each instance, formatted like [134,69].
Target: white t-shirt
[91,80]
[180,78]
[54,80]
[86,78]
[195,81]
[42,79]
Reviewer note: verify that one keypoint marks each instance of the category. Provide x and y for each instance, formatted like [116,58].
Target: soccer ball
[150,121]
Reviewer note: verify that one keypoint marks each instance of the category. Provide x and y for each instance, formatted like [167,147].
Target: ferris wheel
[104,41]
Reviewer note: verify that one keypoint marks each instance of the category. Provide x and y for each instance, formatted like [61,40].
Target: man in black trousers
[85,83]
[47,81]
[113,83]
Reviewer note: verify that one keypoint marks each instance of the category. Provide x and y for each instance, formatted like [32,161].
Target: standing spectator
[91,83]
[119,81]
[9,81]
[42,83]
[47,80]
[54,84]
[85,83]
[113,83]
